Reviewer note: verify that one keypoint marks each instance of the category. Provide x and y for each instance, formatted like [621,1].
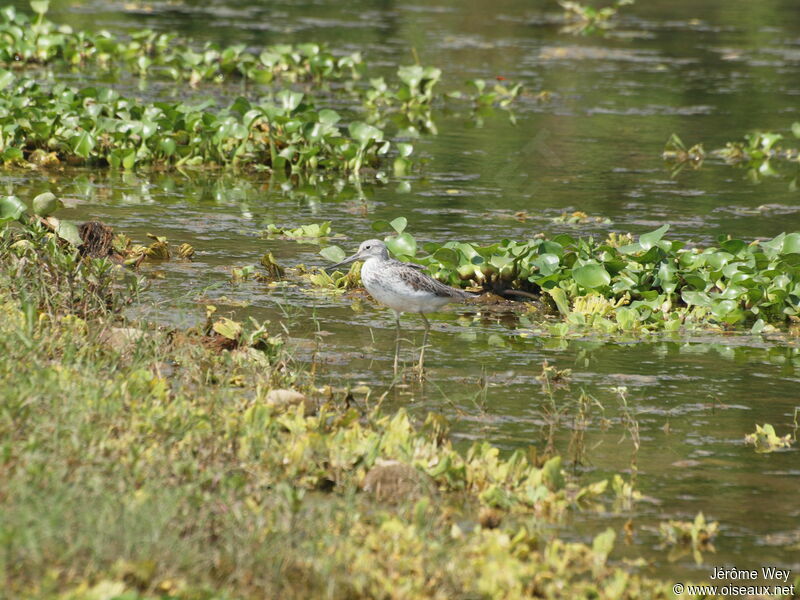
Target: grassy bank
[138,462]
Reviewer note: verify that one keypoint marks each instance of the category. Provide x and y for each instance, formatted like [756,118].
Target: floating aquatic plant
[97,126]
[689,536]
[612,285]
[760,153]
[765,439]
[38,41]
[585,19]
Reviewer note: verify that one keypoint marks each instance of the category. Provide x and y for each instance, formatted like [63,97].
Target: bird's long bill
[347,260]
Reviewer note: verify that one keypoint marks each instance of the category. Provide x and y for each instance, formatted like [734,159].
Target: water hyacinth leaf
[791,244]
[333,253]
[402,245]
[552,475]
[447,256]
[363,133]
[626,317]
[129,160]
[758,326]
[411,75]
[289,100]
[82,144]
[6,78]
[630,248]
[46,204]
[40,7]
[722,308]
[168,146]
[404,149]
[647,240]
[69,231]
[591,276]
[11,208]
[380,226]
[653,255]
[399,224]
[695,281]
[693,298]
[603,544]
[560,298]
[12,154]
[766,440]
[501,261]
[329,117]
[733,246]
[550,247]
[228,328]
[774,246]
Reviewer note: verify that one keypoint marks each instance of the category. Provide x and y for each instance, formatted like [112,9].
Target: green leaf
[289,100]
[11,208]
[380,226]
[129,160]
[546,263]
[552,476]
[399,224]
[733,246]
[168,146]
[722,308]
[69,231]
[328,116]
[13,155]
[40,7]
[447,256]
[46,204]
[647,240]
[591,276]
[693,298]
[6,78]
[228,328]
[791,243]
[402,245]
[603,544]
[404,149]
[363,133]
[333,253]
[82,144]
[560,298]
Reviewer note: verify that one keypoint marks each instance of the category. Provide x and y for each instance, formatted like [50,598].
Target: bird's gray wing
[419,281]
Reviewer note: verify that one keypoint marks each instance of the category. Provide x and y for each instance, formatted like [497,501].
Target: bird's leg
[424,343]
[396,341]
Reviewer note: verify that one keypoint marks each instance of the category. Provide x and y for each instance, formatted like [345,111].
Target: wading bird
[401,286]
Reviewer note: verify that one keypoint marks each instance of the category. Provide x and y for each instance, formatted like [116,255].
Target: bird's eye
[367,247]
